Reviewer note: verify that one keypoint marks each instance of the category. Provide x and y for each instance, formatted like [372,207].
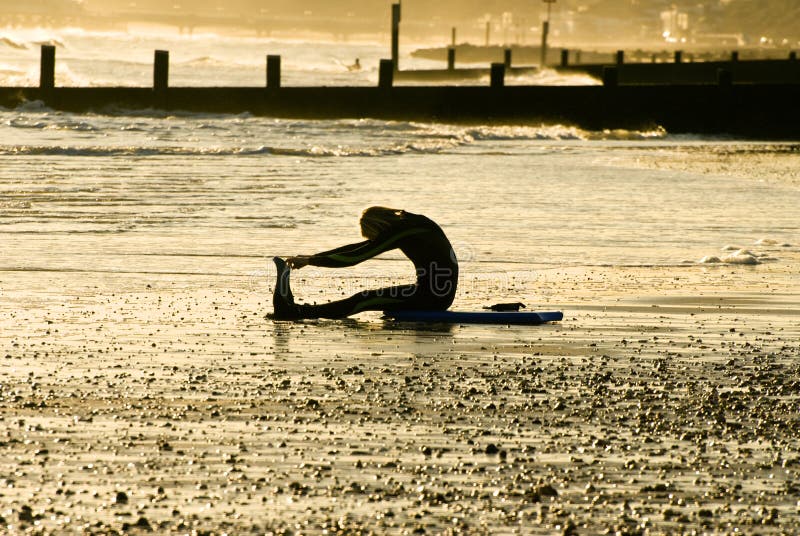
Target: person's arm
[348,255]
[353,254]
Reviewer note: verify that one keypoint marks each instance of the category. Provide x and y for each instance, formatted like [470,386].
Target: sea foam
[740,256]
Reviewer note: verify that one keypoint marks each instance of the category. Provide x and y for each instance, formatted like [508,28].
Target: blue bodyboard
[476,317]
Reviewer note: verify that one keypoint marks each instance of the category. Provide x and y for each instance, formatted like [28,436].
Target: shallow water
[215,194]
[150,191]
[119,58]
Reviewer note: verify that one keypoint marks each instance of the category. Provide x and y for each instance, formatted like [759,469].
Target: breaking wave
[12,43]
[98,151]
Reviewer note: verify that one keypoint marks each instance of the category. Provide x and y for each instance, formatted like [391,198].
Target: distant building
[675,25]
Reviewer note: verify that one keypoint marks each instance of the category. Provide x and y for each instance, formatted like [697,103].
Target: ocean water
[125,196]
[116,58]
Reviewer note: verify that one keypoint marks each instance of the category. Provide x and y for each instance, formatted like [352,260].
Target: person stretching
[418,237]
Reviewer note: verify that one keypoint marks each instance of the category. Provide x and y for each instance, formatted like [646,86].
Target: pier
[637,67]
[680,71]
[764,110]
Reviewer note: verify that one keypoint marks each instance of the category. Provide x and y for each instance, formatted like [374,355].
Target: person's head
[376,220]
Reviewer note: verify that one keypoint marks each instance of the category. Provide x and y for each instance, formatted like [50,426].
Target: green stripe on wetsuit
[376,250]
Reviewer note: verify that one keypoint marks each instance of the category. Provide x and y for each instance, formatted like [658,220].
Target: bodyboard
[476,317]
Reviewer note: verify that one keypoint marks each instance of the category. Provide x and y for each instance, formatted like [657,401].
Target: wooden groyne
[455,75]
[451,73]
[680,71]
[675,67]
[724,107]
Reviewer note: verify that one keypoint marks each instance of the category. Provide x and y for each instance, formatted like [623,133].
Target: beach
[654,407]
[143,387]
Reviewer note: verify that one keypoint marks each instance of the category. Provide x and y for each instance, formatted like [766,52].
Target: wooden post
[451,58]
[543,46]
[577,56]
[498,74]
[610,77]
[678,56]
[724,78]
[453,36]
[273,72]
[396,36]
[47,68]
[735,56]
[564,57]
[161,71]
[386,74]
[507,58]
[620,57]
[792,56]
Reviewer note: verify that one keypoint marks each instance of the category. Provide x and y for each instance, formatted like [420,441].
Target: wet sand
[665,402]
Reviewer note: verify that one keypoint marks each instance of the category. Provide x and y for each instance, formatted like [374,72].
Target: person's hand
[298,262]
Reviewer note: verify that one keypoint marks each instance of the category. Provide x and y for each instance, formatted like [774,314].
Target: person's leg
[371,300]
[403,297]
[391,298]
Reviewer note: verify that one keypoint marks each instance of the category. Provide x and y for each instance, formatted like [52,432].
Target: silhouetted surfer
[355,67]
[418,237]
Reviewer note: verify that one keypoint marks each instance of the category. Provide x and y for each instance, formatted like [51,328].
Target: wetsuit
[424,243]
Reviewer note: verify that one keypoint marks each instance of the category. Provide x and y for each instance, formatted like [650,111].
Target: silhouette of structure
[724,106]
